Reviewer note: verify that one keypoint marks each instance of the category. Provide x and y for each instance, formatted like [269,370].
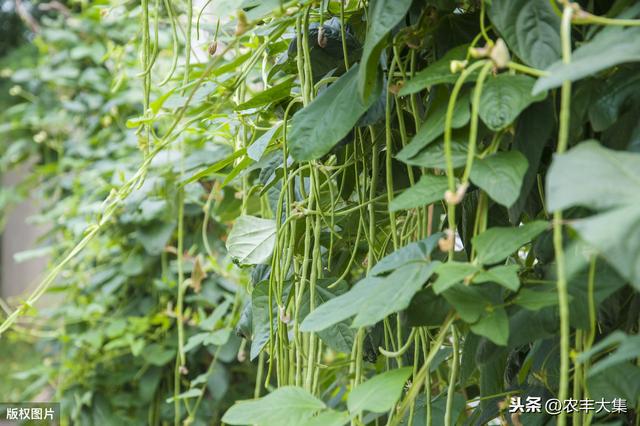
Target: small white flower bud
[500,54]
[447,242]
[457,66]
[284,317]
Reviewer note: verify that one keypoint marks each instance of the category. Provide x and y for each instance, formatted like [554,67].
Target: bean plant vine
[382,212]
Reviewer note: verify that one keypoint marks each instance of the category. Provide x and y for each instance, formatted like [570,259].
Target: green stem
[483,29]
[602,20]
[591,336]
[389,159]
[343,36]
[452,378]
[187,46]
[372,192]
[447,143]
[473,127]
[563,293]
[419,379]
[174,38]
[527,70]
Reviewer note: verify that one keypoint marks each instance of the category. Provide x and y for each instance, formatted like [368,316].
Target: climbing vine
[337,212]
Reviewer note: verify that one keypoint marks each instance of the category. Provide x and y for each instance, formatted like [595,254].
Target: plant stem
[588,19]
[451,212]
[563,294]
[527,70]
[453,377]
[473,127]
[419,379]
[187,44]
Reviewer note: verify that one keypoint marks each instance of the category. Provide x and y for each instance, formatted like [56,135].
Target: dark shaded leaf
[383,16]
[531,29]
[324,122]
[500,175]
[504,97]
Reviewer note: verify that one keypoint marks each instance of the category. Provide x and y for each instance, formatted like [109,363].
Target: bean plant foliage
[331,212]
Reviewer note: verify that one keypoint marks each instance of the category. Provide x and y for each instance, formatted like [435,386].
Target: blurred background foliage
[106,346]
[72,93]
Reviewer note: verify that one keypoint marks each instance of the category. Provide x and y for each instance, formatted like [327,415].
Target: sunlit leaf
[288,405]
[251,240]
[379,393]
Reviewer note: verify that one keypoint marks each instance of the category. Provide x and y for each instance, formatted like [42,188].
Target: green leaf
[416,252]
[316,128]
[616,235]
[340,336]
[237,169]
[535,300]
[288,405]
[438,410]
[433,127]
[533,131]
[218,338]
[258,147]
[592,176]
[260,318]
[504,97]
[433,155]
[606,282]
[492,379]
[494,326]
[132,123]
[273,94]
[328,418]
[468,301]
[602,179]
[628,349]
[531,29]
[251,240]
[438,72]
[191,393]
[619,381]
[500,175]
[342,307]
[155,236]
[156,354]
[613,95]
[495,244]
[427,308]
[394,294]
[225,8]
[532,325]
[259,8]
[380,393]
[504,275]
[451,273]
[372,298]
[611,46]
[216,167]
[427,190]
[382,17]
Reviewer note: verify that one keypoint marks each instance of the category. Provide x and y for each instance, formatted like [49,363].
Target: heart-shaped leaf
[379,393]
[319,126]
[495,244]
[501,175]
[504,97]
[251,240]
[288,405]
